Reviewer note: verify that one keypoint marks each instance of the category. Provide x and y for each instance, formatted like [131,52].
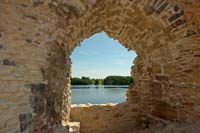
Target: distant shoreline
[98,86]
[109,80]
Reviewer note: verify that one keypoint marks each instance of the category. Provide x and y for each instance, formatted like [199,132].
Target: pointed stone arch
[38,36]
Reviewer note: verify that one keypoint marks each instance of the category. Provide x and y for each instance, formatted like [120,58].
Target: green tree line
[109,80]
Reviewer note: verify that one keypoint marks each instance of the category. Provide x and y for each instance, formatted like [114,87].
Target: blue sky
[100,56]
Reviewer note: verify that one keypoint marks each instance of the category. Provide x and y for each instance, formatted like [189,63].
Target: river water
[83,94]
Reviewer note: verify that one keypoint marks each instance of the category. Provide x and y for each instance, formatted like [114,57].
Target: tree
[118,80]
[110,80]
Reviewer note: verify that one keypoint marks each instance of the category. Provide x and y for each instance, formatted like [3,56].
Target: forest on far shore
[109,80]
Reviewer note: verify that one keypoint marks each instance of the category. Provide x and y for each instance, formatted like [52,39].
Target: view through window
[101,69]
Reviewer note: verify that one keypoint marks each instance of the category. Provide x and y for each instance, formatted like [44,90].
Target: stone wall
[101,118]
[38,36]
[32,59]
[124,118]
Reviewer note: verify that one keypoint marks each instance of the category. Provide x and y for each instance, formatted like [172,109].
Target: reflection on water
[82,94]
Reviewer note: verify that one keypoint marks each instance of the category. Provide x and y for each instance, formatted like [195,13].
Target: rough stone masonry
[38,36]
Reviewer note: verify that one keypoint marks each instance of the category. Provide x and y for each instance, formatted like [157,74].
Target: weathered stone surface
[38,36]
[101,118]
[25,121]
[74,127]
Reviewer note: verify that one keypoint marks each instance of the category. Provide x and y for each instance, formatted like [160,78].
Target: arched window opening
[101,71]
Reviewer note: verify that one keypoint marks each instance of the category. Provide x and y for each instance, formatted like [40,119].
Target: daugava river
[83,94]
